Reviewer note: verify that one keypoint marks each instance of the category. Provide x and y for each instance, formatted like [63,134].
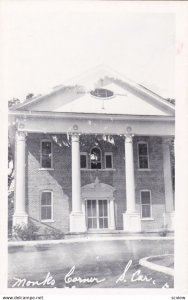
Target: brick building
[94,155]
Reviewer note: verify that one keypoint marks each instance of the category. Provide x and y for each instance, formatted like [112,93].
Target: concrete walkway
[155,266]
[87,239]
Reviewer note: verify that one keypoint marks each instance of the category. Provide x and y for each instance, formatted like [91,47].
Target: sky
[44,45]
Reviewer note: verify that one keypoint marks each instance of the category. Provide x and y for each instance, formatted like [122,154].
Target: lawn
[91,264]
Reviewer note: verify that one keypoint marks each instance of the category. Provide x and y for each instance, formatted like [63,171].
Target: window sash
[96,163]
[145,204]
[46,206]
[83,165]
[108,164]
[143,157]
[46,154]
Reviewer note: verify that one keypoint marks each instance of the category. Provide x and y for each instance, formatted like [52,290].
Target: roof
[75,96]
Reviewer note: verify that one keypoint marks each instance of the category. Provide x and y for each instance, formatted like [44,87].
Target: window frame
[49,141]
[150,204]
[138,155]
[86,155]
[110,154]
[100,156]
[52,205]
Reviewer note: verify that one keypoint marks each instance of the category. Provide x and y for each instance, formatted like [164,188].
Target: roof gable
[75,96]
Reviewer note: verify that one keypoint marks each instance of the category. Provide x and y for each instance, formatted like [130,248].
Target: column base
[20,219]
[131,222]
[169,216]
[77,222]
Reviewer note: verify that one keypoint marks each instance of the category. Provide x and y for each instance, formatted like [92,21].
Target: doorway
[97,214]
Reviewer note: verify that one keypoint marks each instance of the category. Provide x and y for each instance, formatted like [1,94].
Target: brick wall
[59,179]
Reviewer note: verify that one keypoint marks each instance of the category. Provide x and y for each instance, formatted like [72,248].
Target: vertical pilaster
[20,216]
[169,206]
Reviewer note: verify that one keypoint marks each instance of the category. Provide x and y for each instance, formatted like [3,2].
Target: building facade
[94,155]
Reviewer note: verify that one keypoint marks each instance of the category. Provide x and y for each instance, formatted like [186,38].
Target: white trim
[146,143]
[86,155]
[46,169]
[41,141]
[147,218]
[100,170]
[90,157]
[52,205]
[110,154]
[144,170]
[68,115]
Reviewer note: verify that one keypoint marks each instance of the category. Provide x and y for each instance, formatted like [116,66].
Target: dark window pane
[142,149]
[108,161]
[105,223]
[105,208]
[145,197]
[89,223]
[143,162]
[46,213]
[101,223]
[46,198]
[46,147]
[83,162]
[100,208]
[94,208]
[94,222]
[89,212]
[146,212]
[95,165]
[46,154]
[95,158]
[46,162]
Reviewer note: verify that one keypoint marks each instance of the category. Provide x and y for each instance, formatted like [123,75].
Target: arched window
[95,158]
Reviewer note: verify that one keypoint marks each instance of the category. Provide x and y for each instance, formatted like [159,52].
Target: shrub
[25,232]
[52,233]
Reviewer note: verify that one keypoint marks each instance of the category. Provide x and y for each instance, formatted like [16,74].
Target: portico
[131,216]
[130,187]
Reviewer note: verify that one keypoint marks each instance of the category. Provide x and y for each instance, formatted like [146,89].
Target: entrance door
[97,214]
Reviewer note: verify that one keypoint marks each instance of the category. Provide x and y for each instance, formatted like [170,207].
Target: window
[46,154]
[102,93]
[95,158]
[143,162]
[46,206]
[145,204]
[83,160]
[97,214]
[108,160]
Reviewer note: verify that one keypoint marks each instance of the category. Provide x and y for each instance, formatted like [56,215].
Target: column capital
[75,136]
[21,135]
[128,137]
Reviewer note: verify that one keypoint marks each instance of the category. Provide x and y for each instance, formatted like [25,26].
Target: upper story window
[108,160]
[95,158]
[83,160]
[46,154]
[143,158]
[145,204]
[46,206]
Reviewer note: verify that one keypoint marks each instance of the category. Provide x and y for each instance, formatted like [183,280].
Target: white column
[169,206]
[20,216]
[131,218]
[111,213]
[77,218]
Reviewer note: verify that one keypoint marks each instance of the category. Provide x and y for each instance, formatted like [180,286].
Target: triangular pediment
[76,96]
